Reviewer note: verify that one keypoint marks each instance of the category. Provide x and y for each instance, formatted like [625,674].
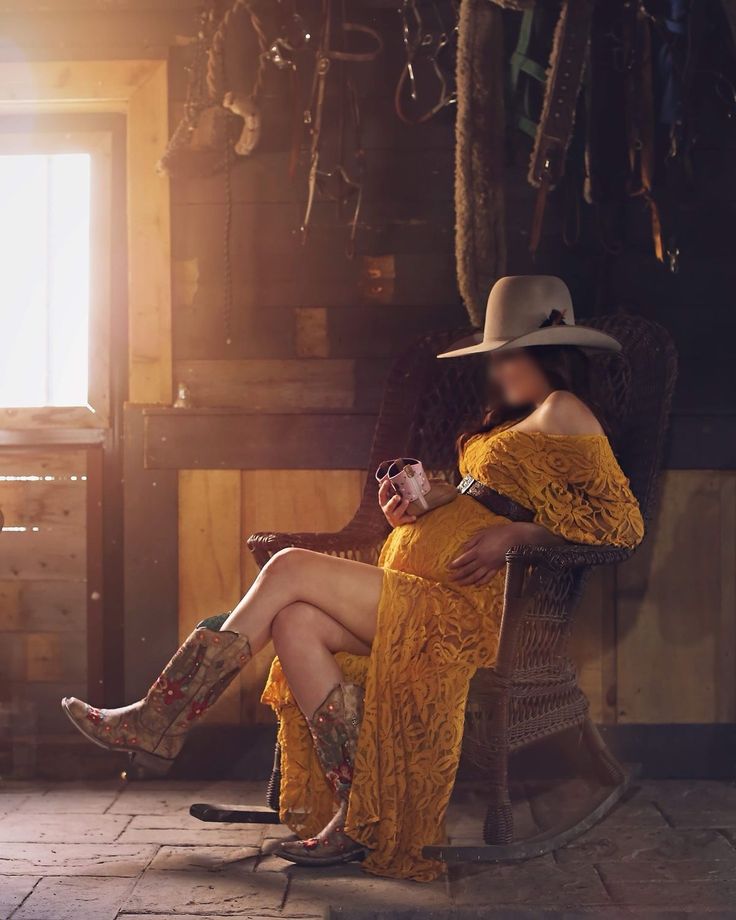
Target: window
[56,188]
[45,278]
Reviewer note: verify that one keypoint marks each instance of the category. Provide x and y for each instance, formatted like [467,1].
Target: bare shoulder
[563,413]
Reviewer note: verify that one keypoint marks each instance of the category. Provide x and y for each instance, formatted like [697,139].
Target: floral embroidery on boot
[334,728]
[189,684]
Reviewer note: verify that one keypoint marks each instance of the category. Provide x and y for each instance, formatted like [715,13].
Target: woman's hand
[393,506]
[482,557]
[485,553]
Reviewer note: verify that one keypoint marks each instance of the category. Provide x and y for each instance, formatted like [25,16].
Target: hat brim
[581,336]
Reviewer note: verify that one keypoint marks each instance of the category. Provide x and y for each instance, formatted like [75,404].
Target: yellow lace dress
[432,635]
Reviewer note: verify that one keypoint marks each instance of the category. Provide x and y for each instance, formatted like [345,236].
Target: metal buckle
[465,483]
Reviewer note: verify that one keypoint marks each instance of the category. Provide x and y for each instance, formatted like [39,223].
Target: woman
[374,662]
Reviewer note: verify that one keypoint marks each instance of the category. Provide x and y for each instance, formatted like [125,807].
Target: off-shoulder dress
[432,635]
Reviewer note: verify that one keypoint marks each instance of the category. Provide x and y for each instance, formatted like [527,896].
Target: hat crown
[519,304]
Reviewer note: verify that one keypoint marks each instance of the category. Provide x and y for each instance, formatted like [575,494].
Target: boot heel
[142,765]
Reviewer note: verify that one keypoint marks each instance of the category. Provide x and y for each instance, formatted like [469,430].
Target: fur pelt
[480,225]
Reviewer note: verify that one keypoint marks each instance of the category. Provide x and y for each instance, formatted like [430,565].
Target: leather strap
[325,56]
[495,501]
[567,62]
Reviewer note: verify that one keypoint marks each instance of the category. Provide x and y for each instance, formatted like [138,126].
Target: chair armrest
[520,595]
[360,535]
[567,556]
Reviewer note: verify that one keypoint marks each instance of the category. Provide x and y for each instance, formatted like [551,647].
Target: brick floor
[108,852]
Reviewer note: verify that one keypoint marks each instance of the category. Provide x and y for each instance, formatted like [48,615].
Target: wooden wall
[218,509]
[310,328]
[656,639]
[312,331]
[43,595]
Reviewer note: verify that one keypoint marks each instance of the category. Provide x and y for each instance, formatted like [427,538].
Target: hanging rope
[216,63]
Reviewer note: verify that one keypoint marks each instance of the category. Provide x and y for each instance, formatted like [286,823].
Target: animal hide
[480,220]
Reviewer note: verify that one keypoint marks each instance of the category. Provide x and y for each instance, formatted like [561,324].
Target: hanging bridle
[424,50]
[346,184]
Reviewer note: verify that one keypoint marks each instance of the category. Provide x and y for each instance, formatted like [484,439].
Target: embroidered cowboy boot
[334,728]
[155,728]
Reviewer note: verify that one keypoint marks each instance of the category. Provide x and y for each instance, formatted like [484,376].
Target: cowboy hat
[527,310]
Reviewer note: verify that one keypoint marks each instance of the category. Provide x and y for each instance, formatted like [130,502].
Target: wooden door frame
[137,89]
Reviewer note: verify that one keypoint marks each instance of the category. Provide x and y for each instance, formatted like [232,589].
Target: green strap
[522,63]
[520,60]
[526,125]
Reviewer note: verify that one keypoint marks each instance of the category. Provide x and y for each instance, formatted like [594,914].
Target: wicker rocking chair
[532,693]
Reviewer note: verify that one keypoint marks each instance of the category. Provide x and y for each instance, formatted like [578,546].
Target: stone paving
[108,852]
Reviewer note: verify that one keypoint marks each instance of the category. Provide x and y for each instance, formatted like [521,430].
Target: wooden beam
[287,385]
[83,6]
[231,439]
[209,559]
[151,562]
[99,679]
[42,437]
[149,248]
[80,86]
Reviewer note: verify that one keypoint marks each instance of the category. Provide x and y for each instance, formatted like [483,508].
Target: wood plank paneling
[593,644]
[312,338]
[702,440]
[45,661]
[359,331]
[43,502]
[651,640]
[274,386]
[725,665]
[675,608]
[55,554]
[149,248]
[209,557]
[43,581]
[151,561]
[43,606]
[57,464]
[229,439]
[289,500]
[95,85]
[273,269]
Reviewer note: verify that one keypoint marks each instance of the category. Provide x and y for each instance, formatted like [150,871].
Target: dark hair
[566,367]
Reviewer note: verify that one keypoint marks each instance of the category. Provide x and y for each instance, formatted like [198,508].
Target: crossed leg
[306,639]
[312,605]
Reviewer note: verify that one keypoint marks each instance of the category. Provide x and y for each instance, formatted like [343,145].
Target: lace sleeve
[583,495]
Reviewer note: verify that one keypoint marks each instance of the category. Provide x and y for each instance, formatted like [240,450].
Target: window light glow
[44,279]
[36,478]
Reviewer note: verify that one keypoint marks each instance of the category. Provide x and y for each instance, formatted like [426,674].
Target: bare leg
[306,639]
[345,590]
[348,592]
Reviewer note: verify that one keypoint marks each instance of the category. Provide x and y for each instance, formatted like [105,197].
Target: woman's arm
[485,554]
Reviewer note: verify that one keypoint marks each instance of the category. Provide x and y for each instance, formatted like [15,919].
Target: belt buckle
[465,483]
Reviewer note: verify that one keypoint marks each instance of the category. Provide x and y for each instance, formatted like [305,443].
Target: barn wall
[311,332]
